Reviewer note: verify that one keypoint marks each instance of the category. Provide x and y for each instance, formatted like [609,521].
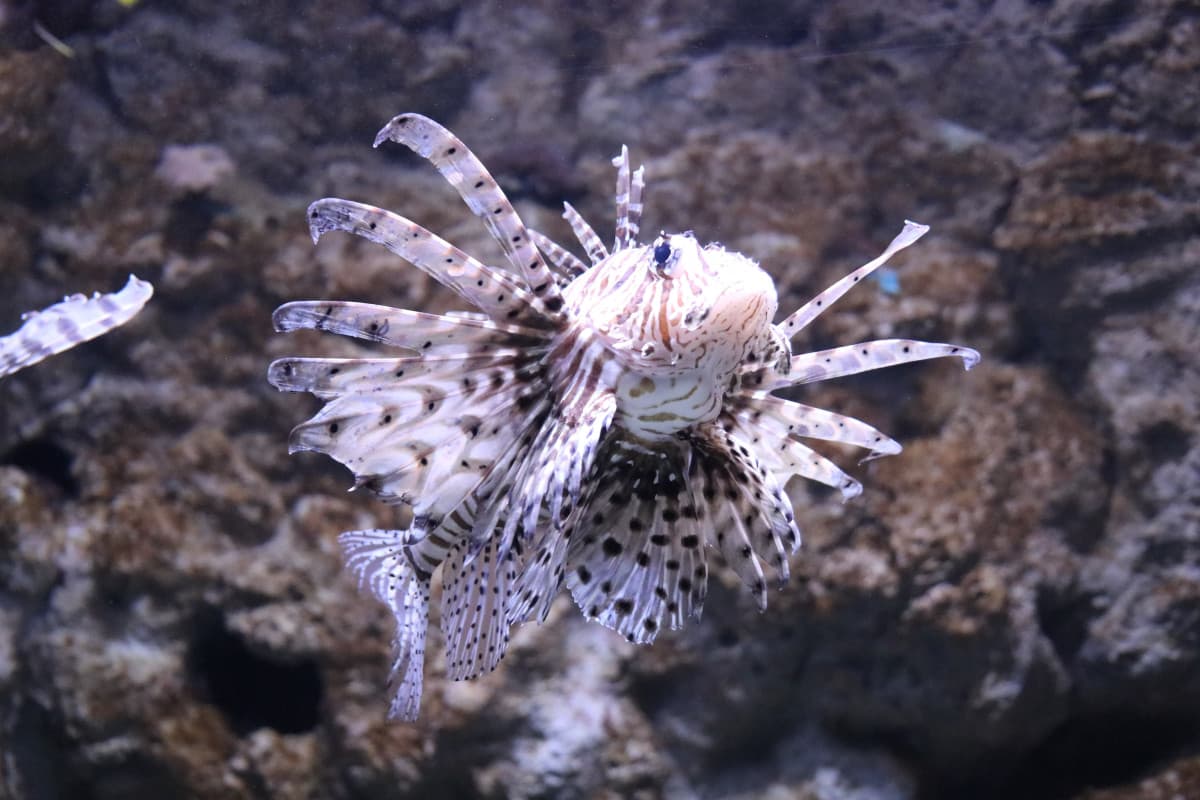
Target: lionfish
[596,424]
[72,322]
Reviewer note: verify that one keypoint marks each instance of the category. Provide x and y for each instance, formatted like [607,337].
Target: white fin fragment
[72,322]
[795,323]
[397,327]
[492,291]
[479,190]
[568,265]
[865,356]
[587,236]
[382,563]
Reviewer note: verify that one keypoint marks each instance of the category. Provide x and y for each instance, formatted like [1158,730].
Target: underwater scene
[546,400]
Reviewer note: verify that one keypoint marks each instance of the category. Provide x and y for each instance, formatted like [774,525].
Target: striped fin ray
[430,454]
[479,190]
[629,201]
[73,321]
[754,516]
[622,239]
[592,244]
[568,265]
[332,377]
[637,555]
[475,600]
[799,319]
[789,456]
[397,327]
[634,221]
[771,419]
[865,356]
[725,531]
[491,290]
[383,562]
[564,454]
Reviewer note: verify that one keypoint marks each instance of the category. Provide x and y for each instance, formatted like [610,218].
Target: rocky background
[1012,609]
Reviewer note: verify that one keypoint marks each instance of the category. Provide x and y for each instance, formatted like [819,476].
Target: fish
[596,423]
[72,322]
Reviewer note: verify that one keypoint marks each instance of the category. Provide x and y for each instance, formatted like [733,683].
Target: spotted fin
[397,327]
[799,319]
[332,377]
[475,600]
[430,457]
[756,505]
[768,420]
[851,359]
[74,321]
[493,291]
[459,166]
[637,556]
[792,457]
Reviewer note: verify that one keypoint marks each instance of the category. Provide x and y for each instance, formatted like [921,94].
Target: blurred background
[1010,610]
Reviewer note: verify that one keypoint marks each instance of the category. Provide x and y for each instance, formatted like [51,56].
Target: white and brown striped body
[601,425]
[673,331]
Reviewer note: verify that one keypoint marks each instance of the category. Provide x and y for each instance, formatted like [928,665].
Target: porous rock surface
[1011,609]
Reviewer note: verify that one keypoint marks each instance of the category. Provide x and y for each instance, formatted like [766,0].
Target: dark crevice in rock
[765,23]
[39,754]
[1086,752]
[252,690]
[46,459]
[44,767]
[190,219]
[1064,619]
[1165,441]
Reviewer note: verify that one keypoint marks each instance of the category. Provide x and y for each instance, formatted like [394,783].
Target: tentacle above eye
[629,201]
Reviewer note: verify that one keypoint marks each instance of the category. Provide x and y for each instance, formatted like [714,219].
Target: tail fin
[384,562]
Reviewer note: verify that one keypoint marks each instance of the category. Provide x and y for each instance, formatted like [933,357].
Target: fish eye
[662,251]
